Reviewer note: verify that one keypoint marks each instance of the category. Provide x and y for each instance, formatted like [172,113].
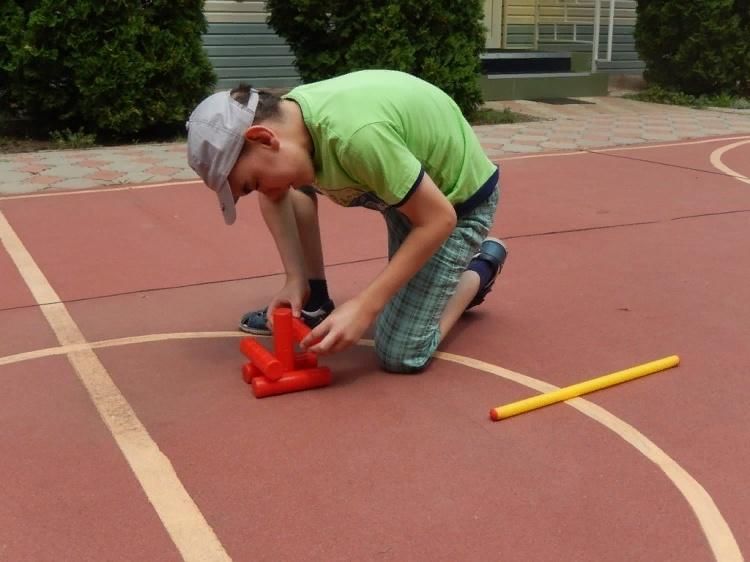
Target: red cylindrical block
[306,360]
[262,358]
[292,382]
[283,340]
[300,330]
[249,372]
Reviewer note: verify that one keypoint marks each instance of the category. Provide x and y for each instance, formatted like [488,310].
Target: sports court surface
[129,434]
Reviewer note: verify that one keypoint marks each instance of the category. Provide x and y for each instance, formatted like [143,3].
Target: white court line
[190,532]
[715,528]
[97,190]
[719,165]
[619,148]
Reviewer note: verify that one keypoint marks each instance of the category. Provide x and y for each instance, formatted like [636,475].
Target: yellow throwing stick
[568,392]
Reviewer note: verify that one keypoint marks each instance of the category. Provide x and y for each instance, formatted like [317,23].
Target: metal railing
[595,21]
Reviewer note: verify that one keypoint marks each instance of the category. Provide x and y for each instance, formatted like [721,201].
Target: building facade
[242,47]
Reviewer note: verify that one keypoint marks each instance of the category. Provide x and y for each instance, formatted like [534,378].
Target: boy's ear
[262,135]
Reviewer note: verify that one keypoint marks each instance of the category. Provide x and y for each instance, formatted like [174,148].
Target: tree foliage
[437,40]
[115,68]
[700,47]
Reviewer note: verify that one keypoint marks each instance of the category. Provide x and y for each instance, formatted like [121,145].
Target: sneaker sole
[255,331]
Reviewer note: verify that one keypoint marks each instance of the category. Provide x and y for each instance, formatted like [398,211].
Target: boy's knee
[400,359]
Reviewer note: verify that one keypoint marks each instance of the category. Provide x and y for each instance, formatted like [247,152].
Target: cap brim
[226,202]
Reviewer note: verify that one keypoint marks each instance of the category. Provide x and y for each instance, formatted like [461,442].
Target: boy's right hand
[292,295]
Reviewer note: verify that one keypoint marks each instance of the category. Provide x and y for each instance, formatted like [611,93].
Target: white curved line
[616,149]
[720,538]
[715,528]
[719,165]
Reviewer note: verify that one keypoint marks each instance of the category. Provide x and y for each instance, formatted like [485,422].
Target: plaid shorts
[407,331]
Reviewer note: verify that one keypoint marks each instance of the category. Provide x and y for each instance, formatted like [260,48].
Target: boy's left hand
[343,328]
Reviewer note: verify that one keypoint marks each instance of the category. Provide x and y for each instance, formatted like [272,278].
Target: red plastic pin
[292,381]
[284,370]
[269,365]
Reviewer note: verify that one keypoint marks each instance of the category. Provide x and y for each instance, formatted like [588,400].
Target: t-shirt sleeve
[377,157]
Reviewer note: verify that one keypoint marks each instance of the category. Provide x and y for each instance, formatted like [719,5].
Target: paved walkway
[585,124]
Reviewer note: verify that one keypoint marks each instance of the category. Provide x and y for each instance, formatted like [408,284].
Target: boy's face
[270,165]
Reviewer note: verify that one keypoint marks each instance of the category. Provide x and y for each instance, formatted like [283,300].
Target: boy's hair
[268,102]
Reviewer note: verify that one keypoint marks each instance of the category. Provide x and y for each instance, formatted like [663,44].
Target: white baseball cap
[216,134]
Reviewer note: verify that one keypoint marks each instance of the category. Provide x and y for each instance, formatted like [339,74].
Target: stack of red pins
[284,370]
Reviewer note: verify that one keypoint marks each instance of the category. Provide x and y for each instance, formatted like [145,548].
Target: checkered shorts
[407,330]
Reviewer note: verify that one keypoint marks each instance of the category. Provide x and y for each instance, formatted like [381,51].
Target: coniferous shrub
[437,40]
[114,67]
[700,47]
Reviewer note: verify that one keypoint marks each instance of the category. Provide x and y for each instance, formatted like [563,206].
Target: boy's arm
[433,219]
[280,220]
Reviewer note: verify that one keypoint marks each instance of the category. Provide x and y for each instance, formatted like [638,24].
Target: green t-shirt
[375,131]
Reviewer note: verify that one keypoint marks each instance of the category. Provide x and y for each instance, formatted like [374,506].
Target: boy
[376,138]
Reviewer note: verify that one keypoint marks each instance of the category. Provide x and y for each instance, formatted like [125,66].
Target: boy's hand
[293,295]
[343,328]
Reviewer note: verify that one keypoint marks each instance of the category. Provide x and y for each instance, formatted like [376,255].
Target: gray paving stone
[128,166]
[187,174]
[521,148]
[525,139]
[77,183]
[559,145]
[617,141]
[9,166]
[658,136]
[159,179]
[55,159]
[12,177]
[67,171]
[19,188]
[137,177]
[584,143]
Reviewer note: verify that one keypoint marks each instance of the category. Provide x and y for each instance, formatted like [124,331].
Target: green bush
[696,46]
[657,94]
[113,68]
[437,40]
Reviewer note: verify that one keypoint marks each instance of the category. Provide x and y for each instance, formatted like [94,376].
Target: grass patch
[67,139]
[13,144]
[656,94]
[489,116]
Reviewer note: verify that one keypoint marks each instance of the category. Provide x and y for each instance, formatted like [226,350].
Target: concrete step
[543,85]
[516,61]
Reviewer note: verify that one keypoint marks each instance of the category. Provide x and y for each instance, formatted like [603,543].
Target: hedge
[114,68]
[700,47]
[437,40]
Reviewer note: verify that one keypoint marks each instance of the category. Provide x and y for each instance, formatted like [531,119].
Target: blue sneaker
[256,322]
[493,252]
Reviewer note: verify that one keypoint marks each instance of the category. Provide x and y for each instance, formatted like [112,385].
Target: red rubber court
[129,434]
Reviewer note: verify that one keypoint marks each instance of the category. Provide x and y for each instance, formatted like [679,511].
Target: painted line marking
[719,165]
[619,148]
[190,532]
[99,190]
[715,528]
